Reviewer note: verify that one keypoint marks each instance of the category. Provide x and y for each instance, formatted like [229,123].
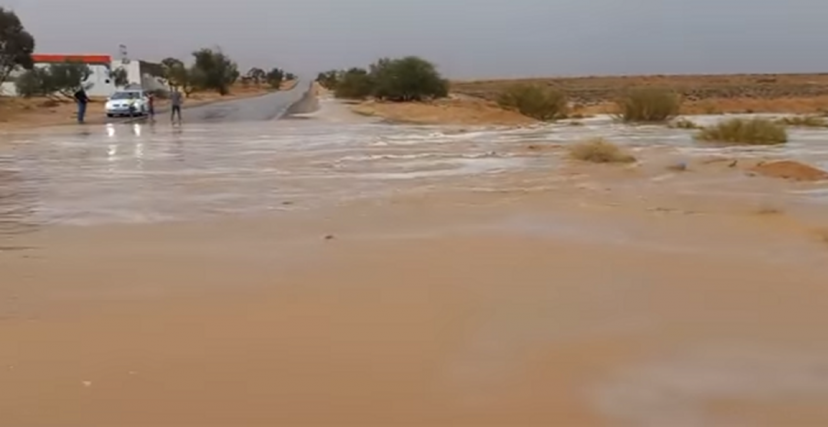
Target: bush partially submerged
[538,102]
[684,124]
[649,104]
[755,131]
[599,150]
[804,121]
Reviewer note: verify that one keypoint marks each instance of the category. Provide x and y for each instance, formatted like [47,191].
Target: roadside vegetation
[396,80]
[16,45]
[211,69]
[648,105]
[755,131]
[56,79]
[599,150]
[537,102]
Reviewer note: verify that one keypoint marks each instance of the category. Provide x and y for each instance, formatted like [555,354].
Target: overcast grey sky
[466,38]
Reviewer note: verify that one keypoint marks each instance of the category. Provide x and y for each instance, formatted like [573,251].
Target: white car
[132,102]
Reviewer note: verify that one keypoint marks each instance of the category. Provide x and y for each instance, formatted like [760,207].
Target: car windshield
[125,95]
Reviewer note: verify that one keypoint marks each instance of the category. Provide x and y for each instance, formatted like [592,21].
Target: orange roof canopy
[86,59]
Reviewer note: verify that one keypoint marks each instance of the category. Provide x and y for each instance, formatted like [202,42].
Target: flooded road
[327,269]
[147,173]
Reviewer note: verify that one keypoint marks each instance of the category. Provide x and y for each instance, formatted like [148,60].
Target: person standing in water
[81,99]
[151,106]
[175,105]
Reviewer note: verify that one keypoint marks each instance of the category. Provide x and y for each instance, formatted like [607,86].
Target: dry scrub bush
[684,124]
[648,104]
[755,131]
[599,150]
[537,102]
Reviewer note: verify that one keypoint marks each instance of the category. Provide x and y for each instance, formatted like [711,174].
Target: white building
[99,83]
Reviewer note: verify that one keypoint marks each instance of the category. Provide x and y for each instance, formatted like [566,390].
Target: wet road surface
[265,107]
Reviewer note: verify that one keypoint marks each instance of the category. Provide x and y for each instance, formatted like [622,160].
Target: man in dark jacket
[82,100]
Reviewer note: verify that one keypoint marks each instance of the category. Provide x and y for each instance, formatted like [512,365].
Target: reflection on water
[156,172]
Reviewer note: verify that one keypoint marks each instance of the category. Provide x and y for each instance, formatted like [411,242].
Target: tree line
[398,80]
[211,69]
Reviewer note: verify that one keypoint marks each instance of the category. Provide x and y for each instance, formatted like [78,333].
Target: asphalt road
[265,107]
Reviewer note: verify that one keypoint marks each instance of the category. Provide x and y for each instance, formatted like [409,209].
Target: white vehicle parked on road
[129,102]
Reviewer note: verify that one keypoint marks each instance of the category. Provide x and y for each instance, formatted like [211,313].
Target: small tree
[177,75]
[214,70]
[256,75]
[66,78]
[538,102]
[356,83]
[290,76]
[328,79]
[275,78]
[16,45]
[119,77]
[407,79]
[34,82]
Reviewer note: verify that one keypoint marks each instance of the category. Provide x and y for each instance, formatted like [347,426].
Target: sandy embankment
[455,110]
[468,110]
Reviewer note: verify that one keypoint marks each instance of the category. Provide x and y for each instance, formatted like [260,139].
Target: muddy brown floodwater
[330,270]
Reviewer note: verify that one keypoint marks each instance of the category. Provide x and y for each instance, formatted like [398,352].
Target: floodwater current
[126,173]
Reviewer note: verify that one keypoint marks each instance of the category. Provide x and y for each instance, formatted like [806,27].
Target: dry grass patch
[755,131]
[599,150]
[537,102]
[649,105]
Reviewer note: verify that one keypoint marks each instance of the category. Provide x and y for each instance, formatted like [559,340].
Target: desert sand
[460,110]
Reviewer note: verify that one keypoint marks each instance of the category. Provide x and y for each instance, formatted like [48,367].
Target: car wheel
[109,115]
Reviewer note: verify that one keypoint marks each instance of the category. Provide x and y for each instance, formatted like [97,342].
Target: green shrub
[61,78]
[33,82]
[599,150]
[538,102]
[274,78]
[119,77]
[329,79]
[355,83]
[745,131]
[407,79]
[212,69]
[649,104]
